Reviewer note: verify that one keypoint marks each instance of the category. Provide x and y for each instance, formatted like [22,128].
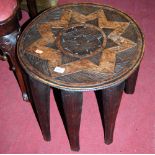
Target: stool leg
[19,75]
[40,94]
[8,47]
[32,7]
[72,104]
[111,98]
[130,83]
[19,12]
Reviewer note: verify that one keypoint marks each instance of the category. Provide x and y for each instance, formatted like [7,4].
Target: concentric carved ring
[82,40]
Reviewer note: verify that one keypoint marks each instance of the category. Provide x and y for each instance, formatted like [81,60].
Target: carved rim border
[113,82]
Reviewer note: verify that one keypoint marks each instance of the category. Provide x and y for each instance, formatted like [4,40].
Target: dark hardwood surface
[110,106]
[76,48]
[130,83]
[40,95]
[72,105]
[9,32]
[32,8]
[52,47]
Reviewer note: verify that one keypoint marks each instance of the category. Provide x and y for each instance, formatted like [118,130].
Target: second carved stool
[9,32]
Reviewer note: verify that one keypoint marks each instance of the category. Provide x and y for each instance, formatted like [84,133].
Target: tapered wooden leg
[130,83]
[19,12]
[72,104]
[32,7]
[41,98]
[19,75]
[111,98]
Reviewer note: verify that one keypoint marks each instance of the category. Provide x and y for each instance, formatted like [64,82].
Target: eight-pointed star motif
[108,57]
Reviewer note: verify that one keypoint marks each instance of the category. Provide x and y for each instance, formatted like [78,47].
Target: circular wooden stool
[76,48]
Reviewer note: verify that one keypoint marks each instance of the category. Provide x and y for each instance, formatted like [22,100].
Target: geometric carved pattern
[84,43]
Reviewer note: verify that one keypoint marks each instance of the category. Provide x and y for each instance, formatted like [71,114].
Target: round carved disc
[81,47]
[82,40]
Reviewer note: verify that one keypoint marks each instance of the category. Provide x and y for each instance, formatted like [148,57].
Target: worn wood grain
[72,105]
[130,83]
[76,48]
[84,39]
[111,98]
[40,94]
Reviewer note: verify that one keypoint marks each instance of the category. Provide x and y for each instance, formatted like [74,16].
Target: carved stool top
[81,47]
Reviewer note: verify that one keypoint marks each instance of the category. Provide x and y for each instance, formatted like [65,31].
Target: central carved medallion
[82,40]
